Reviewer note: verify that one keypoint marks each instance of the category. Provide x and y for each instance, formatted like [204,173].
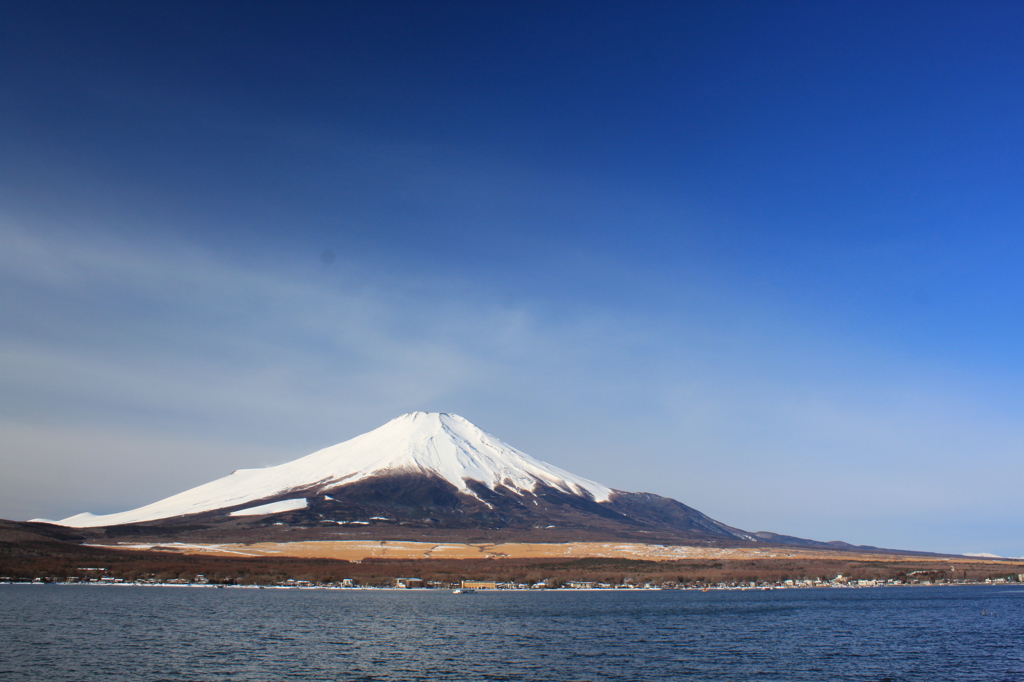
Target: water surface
[150,633]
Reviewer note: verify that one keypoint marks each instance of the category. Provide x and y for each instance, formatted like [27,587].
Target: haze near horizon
[762,259]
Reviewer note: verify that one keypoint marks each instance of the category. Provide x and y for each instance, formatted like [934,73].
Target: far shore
[361,550]
[525,589]
[346,564]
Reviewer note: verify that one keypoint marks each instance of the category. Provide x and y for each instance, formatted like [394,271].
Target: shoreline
[347,564]
[362,550]
[503,590]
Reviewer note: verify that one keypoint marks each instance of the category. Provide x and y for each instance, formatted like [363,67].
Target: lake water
[146,633]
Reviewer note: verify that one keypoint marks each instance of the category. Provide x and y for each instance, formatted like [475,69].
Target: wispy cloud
[131,369]
[101,334]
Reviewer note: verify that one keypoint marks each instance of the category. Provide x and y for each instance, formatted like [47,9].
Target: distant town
[101,578]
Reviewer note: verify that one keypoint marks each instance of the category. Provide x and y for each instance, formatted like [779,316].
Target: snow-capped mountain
[442,445]
[428,471]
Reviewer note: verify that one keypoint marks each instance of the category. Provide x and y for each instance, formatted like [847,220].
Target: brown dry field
[362,550]
[29,551]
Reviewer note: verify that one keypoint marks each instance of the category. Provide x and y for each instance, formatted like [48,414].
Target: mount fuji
[421,475]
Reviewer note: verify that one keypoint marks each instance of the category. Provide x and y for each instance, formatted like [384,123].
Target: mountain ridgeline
[432,476]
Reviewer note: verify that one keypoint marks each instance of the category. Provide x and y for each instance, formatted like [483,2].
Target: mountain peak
[450,447]
[436,444]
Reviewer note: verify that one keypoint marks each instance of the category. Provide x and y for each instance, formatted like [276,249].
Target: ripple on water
[135,633]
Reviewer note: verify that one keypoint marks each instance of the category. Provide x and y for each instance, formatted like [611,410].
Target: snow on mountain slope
[439,444]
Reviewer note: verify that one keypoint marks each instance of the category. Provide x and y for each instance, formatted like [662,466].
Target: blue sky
[762,258]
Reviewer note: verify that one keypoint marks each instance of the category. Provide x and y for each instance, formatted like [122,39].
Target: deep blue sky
[760,257]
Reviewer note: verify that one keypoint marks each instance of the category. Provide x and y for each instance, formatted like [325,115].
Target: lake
[85,633]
